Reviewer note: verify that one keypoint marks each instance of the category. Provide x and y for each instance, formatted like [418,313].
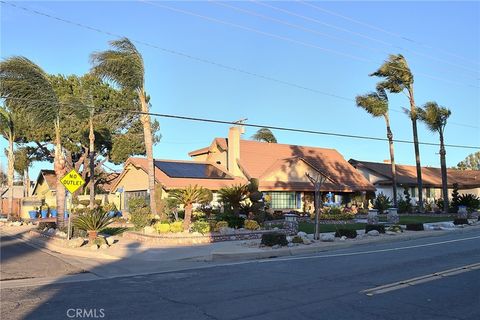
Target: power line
[291,40]
[390,33]
[280,128]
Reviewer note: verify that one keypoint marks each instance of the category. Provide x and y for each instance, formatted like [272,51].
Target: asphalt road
[21,261]
[322,286]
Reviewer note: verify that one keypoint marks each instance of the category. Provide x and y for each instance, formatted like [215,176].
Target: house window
[413,192]
[283,200]
[430,193]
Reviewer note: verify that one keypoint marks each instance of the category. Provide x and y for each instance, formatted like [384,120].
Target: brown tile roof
[431,177]
[178,183]
[260,158]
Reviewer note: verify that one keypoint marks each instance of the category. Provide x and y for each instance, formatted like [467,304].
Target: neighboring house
[280,168]
[380,175]
[45,187]
[18,192]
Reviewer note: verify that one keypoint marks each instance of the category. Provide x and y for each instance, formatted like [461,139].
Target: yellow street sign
[72,181]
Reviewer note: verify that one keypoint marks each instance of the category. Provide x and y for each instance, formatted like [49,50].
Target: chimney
[233,151]
[387,161]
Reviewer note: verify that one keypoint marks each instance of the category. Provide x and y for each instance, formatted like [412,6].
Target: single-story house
[280,169]
[380,175]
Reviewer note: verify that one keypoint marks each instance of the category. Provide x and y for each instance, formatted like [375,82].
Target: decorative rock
[289,238]
[302,234]
[51,231]
[104,246]
[343,238]
[94,247]
[462,212]
[290,244]
[233,238]
[310,236]
[276,228]
[110,240]
[149,230]
[61,234]
[327,237]
[17,223]
[372,217]
[391,233]
[277,246]
[75,243]
[373,233]
[307,241]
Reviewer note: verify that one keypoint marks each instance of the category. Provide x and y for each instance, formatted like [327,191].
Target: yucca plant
[94,221]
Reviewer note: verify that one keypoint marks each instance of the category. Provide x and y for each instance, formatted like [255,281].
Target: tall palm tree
[123,65]
[435,117]
[376,104]
[265,135]
[189,196]
[25,85]
[8,130]
[398,78]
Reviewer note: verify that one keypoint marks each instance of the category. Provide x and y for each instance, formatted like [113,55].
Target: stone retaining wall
[186,238]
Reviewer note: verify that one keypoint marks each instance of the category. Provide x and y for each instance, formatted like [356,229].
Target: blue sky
[330,52]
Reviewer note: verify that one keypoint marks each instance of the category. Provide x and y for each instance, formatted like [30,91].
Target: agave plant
[94,221]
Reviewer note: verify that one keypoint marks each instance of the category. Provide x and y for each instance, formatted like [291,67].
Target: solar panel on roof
[191,170]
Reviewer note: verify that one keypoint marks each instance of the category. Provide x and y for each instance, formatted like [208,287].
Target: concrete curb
[41,243]
[301,250]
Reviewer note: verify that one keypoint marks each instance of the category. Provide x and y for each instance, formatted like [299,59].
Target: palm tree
[123,65]
[376,104]
[8,130]
[399,78]
[435,117]
[26,86]
[265,135]
[189,196]
[233,196]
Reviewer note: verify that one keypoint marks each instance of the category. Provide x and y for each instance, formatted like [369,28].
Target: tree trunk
[59,167]
[413,112]
[443,165]
[91,136]
[392,161]
[188,217]
[10,177]
[147,133]
[26,175]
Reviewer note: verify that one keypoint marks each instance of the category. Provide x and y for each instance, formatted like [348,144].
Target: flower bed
[196,238]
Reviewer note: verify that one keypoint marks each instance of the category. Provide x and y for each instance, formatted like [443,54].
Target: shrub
[274,238]
[94,220]
[415,226]
[200,226]
[458,221]
[404,206]
[379,227]
[251,225]
[140,217]
[135,203]
[349,233]
[297,239]
[471,201]
[382,202]
[221,224]
[235,222]
[337,217]
[176,226]
[395,228]
[335,211]
[162,227]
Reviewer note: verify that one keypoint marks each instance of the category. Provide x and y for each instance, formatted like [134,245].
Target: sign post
[72,181]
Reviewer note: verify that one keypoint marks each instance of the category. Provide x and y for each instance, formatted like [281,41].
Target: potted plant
[53,211]
[44,211]
[33,213]
[93,221]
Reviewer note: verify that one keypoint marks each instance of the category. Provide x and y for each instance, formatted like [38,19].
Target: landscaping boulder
[373,233]
[149,230]
[343,238]
[16,224]
[391,233]
[94,247]
[277,246]
[310,236]
[51,231]
[110,240]
[104,246]
[61,234]
[327,237]
[307,241]
[289,238]
[302,234]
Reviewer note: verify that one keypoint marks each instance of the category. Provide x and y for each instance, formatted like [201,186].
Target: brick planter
[187,238]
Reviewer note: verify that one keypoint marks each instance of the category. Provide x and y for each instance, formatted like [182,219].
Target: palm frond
[375,103]
[434,116]
[396,73]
